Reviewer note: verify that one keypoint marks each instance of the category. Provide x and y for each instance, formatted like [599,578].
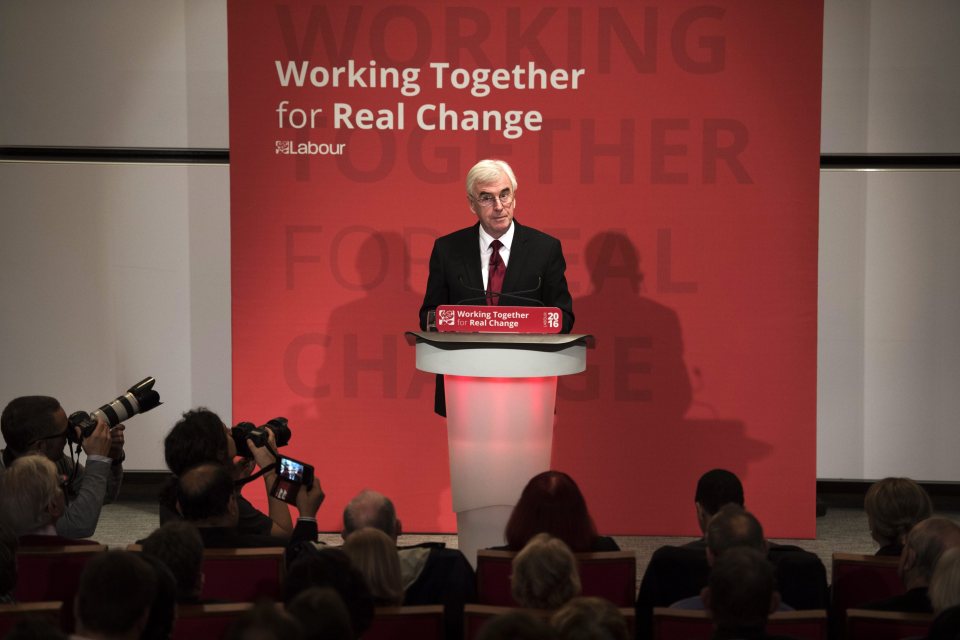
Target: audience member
[264,621]
[32,502]
[732,527]
[430,573]
[517,625]
[322,614]
[715,489]
[924,545]
[587,618]
[544,574]
[893,507]
[328,567]
[945,597]
[552,503]
[117,589]
[206,498]
[38,424]
[375,555]
[201,436]
[35,629]
[679,572]
[740,594]
[163,609]
[178,545]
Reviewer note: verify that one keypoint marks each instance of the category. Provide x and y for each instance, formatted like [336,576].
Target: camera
[291,475]
[139,398]
[244,430]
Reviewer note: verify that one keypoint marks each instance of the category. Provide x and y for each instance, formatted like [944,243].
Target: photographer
[38,424]
[201,437]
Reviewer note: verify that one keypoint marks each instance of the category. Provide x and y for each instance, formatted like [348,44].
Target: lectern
[501,391]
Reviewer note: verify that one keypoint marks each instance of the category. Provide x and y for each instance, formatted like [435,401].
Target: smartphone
[291,475]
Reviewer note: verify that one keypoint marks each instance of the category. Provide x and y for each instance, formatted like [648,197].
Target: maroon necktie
[495,273]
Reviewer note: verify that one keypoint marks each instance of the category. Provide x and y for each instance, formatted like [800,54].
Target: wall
[110,272]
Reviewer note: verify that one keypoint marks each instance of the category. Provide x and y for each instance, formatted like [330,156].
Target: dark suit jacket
[536,268]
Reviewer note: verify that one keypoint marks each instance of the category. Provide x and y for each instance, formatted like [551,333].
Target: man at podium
[497,260]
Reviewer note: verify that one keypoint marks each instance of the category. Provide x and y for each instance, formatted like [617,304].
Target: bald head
[205,495]
[731,527]
[370,509]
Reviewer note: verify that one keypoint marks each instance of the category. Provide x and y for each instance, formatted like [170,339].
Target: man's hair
[716,488]
[551,503]
[944,588]
[893,507]
[163,609]
[928,540]
[26,419]
[117,589]
[741,586]
[196,438]
[322,613]
[264,621]
[731,527]
[26,488]
[370,509]
[589,618]
[544,574]
[487,171]
[329,567]
[204,492]
[374,554]
[516,625]
[178,545]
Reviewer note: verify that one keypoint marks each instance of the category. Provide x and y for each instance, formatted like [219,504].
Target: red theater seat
[400,623]
[206,620]
[49,574]
[886,625]
[11,614]
[680,624]
[606,574]
[859,579]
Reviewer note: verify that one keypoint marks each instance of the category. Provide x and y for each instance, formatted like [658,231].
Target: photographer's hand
[309,499]
[116,443]
[262,455]
[98,443]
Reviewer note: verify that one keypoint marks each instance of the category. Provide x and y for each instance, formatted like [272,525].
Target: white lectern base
[481,529]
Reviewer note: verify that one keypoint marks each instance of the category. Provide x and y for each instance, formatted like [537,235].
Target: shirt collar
[506,239]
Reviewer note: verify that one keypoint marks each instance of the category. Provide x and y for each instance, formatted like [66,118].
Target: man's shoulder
[460,235]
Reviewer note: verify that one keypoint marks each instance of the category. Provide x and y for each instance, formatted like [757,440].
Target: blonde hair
[375,555]
[545,573]
[27,488]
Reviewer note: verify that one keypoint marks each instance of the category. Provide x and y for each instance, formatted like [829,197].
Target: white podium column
[501,392]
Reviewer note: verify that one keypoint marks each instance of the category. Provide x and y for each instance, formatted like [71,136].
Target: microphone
[517,295]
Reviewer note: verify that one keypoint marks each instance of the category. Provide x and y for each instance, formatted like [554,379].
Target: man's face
[495,217]
[231,445]
[52,447]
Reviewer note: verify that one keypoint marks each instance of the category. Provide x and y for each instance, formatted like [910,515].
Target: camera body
[291,476]
[259,435]
[139,398]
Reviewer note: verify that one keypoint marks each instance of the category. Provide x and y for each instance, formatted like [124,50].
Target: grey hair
[26,488]
[487,171]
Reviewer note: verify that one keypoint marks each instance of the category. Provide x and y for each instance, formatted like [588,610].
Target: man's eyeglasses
[486,200]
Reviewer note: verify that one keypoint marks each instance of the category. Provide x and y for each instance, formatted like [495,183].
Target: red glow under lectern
[501,391]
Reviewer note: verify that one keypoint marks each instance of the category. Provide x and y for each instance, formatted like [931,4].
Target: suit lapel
[518,258]
[470,251]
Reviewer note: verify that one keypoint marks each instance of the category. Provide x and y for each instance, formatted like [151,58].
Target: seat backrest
[681,624]
[206,620]
[400,623]
[52,573]
[606,574]
[865,624]
[859,579]
[11,614]
[242,575]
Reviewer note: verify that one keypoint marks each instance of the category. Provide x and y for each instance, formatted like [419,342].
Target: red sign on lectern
[480,319]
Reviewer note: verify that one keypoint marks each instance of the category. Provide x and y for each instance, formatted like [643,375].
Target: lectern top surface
[516,340]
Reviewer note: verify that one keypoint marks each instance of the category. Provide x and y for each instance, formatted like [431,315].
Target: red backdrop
[681,174]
